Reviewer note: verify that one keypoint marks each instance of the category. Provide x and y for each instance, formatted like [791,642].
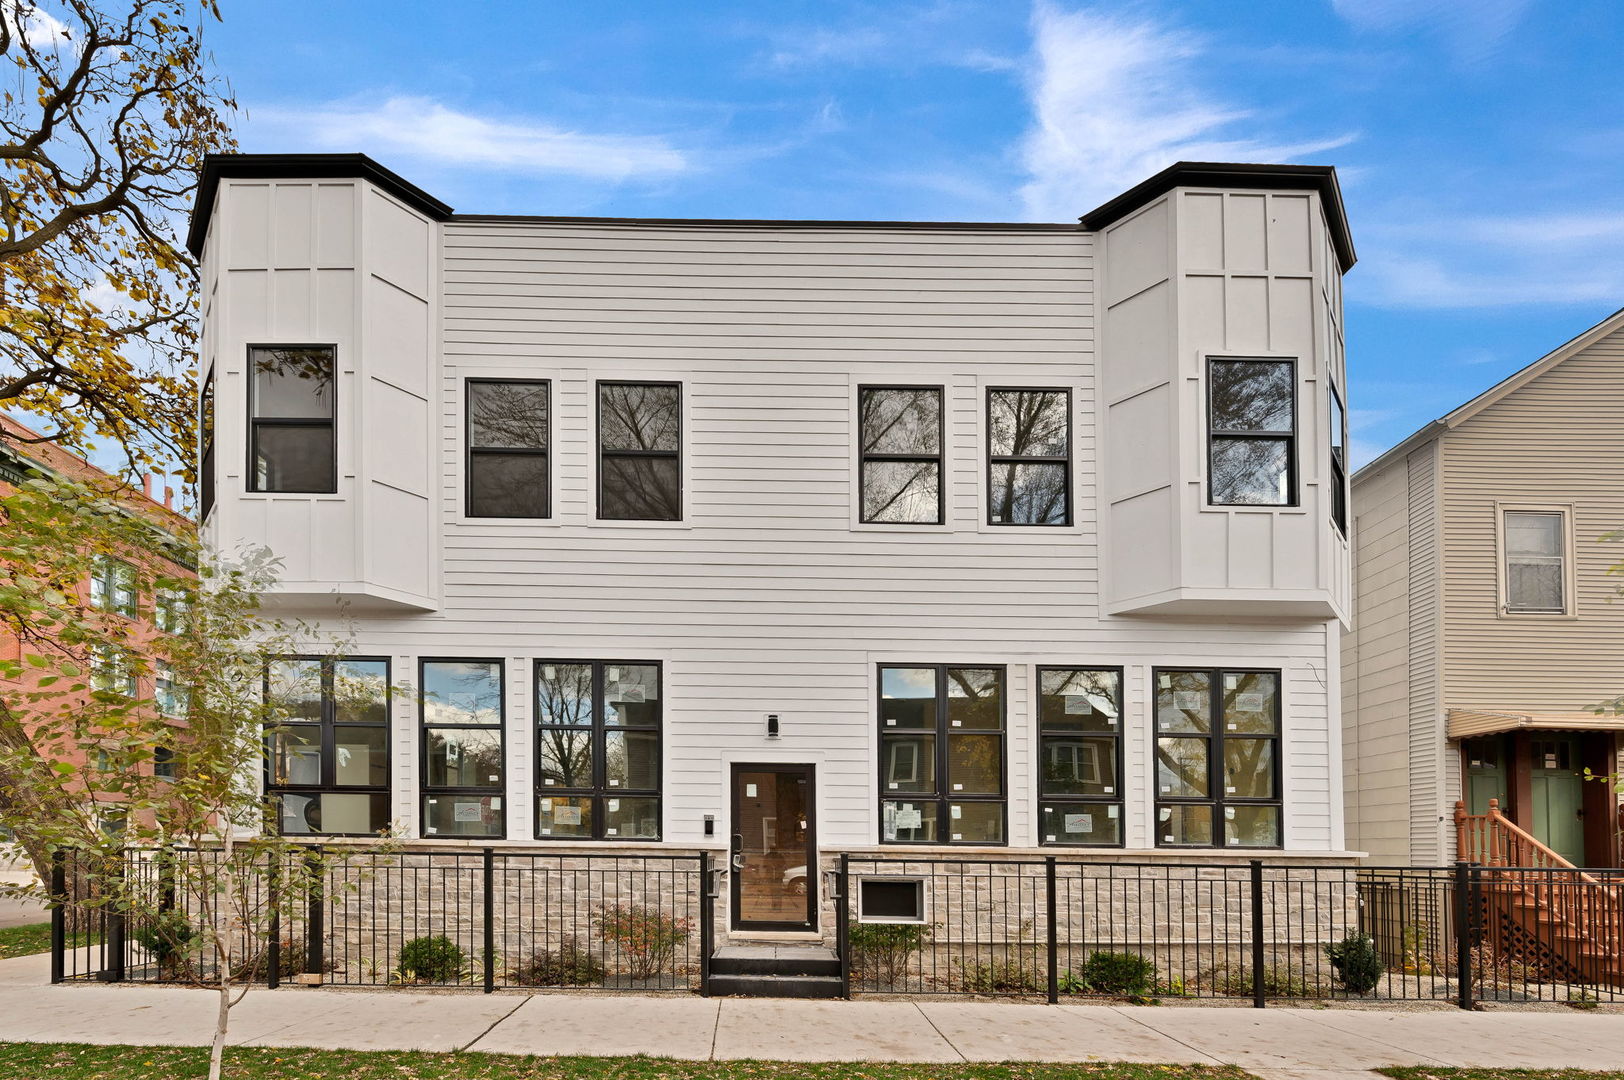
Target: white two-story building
[794,537]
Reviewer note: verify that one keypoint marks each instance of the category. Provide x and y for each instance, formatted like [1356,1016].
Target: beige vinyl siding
[1555,441]
[1376,666]
[1426,729]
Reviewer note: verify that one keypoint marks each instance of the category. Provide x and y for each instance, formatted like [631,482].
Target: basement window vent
[891,900]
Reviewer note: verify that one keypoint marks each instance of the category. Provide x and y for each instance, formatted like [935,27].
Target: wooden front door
[1556,790]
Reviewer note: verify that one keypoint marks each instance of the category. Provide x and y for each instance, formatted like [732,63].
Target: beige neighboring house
[1486,623]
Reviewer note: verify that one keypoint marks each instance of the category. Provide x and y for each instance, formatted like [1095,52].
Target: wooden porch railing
[1493,839]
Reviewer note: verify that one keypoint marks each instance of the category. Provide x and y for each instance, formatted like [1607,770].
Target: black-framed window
[1218,758]
[900,439]
[113,587]
[292,444]
[1252,438]
[205,471]
[597,750]
[462,707]
[1536,562]
[507,446]
[1028,456]
[327,761]
[640,451]
[1080,753]
[1338,423]
[942,754]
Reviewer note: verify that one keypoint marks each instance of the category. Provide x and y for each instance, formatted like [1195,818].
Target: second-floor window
[1536,556]
[1029,457]
[1338,423]
[463,748]
[507,448]
[1252,436]
[327,762]
[597,750]
[900,452]
[640,451]
[112,587]
[292,442]
[205,471]
[112,671]
[941,754]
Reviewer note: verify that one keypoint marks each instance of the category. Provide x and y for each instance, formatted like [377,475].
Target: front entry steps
[798,971]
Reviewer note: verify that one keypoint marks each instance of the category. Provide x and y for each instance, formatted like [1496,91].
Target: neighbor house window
[163,763]
[1536,571]
[169,610]
[1217,758]
[1080,747]
[1338,423]
[507,448]
[167,694]
[1252,413]
[291,439]
[1029,457]
[112,587]
[941,754]
[461,702]
[327,760]
[639,451]
[900,451]
[205,472]
[597,750]
[112,672]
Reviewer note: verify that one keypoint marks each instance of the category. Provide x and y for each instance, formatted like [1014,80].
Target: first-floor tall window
[597,750]
[327,760]
[1080,747]
[461,706]
[941,754]
[1217,758]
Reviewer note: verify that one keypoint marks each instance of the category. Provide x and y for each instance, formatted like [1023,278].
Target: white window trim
[554,377]
[950,401]
[1027,379]
[1306,426]
[685,457]
[1570,595]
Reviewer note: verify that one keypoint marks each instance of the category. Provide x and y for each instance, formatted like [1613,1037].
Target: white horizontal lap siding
[766,598]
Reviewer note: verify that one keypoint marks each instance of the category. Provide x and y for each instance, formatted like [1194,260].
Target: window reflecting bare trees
[1029,457]
[1252,414]
[640,451]
[507,448]
[291,435]
[900,432]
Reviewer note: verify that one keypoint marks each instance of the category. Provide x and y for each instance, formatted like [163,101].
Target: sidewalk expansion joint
[939,1032]
[522,1002]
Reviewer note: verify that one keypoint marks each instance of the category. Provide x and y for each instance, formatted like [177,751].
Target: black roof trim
[217,167]
[1225,174]
[773,223]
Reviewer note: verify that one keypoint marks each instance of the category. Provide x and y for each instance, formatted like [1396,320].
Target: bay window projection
[941,754]
[507,448]
[327,761]
[639,451]
[1535,571]
[1217,758]
[1252,437]
[900,454]
[292,443]
[597,750]
[1029,457]
[1080,749]
[461,707]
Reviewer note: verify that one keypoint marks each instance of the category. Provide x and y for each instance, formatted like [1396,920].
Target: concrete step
[775,960]
[779,986]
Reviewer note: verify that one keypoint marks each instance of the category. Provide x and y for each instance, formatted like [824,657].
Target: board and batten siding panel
[768,596]
[1376,669]
[1426,742]
[1555,441]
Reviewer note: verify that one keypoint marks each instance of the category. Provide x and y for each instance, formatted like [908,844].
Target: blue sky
[1480,142]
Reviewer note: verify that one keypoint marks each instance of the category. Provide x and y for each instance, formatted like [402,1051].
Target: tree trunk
[222,1019]
[38,784]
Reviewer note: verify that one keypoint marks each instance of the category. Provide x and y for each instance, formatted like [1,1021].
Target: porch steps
[798,971]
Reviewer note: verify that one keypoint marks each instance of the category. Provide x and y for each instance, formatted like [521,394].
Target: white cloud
[40,29]
[425,130]
[1115,100]
[1471,29]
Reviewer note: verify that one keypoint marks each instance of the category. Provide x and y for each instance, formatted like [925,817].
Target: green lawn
[1499,1074]
[72,1061]
[25,940]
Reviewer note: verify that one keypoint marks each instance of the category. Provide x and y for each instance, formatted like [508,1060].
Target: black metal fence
[1056,928]
[483,918]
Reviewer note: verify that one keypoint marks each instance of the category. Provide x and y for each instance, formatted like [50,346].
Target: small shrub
[570,965]
[1119,973]
[1415,953]
[646,937]
[435,959]
[168,937]
[1582,999]
[1011,975]
[1357,964]
[881,952]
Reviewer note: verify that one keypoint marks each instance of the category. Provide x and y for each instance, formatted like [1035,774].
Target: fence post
[114,972]
[1463,934]
[273,948]
[490,920]
[59,915]
[843,924]
[315,913]
[1054,933]
[1259,1000]
[707,929]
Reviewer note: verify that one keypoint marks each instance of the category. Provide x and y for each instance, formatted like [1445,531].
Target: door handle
[738,860]
[738,851]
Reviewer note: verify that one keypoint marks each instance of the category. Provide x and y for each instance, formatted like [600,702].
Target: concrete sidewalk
[1274,1043]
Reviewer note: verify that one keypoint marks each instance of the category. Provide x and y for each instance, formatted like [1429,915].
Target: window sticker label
[956,811]
[1111,811]
[1189,700]
[614,806]
[750,791]
[1079,823]
[1252,703]
[909,818]
[467,811]
[567,815]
